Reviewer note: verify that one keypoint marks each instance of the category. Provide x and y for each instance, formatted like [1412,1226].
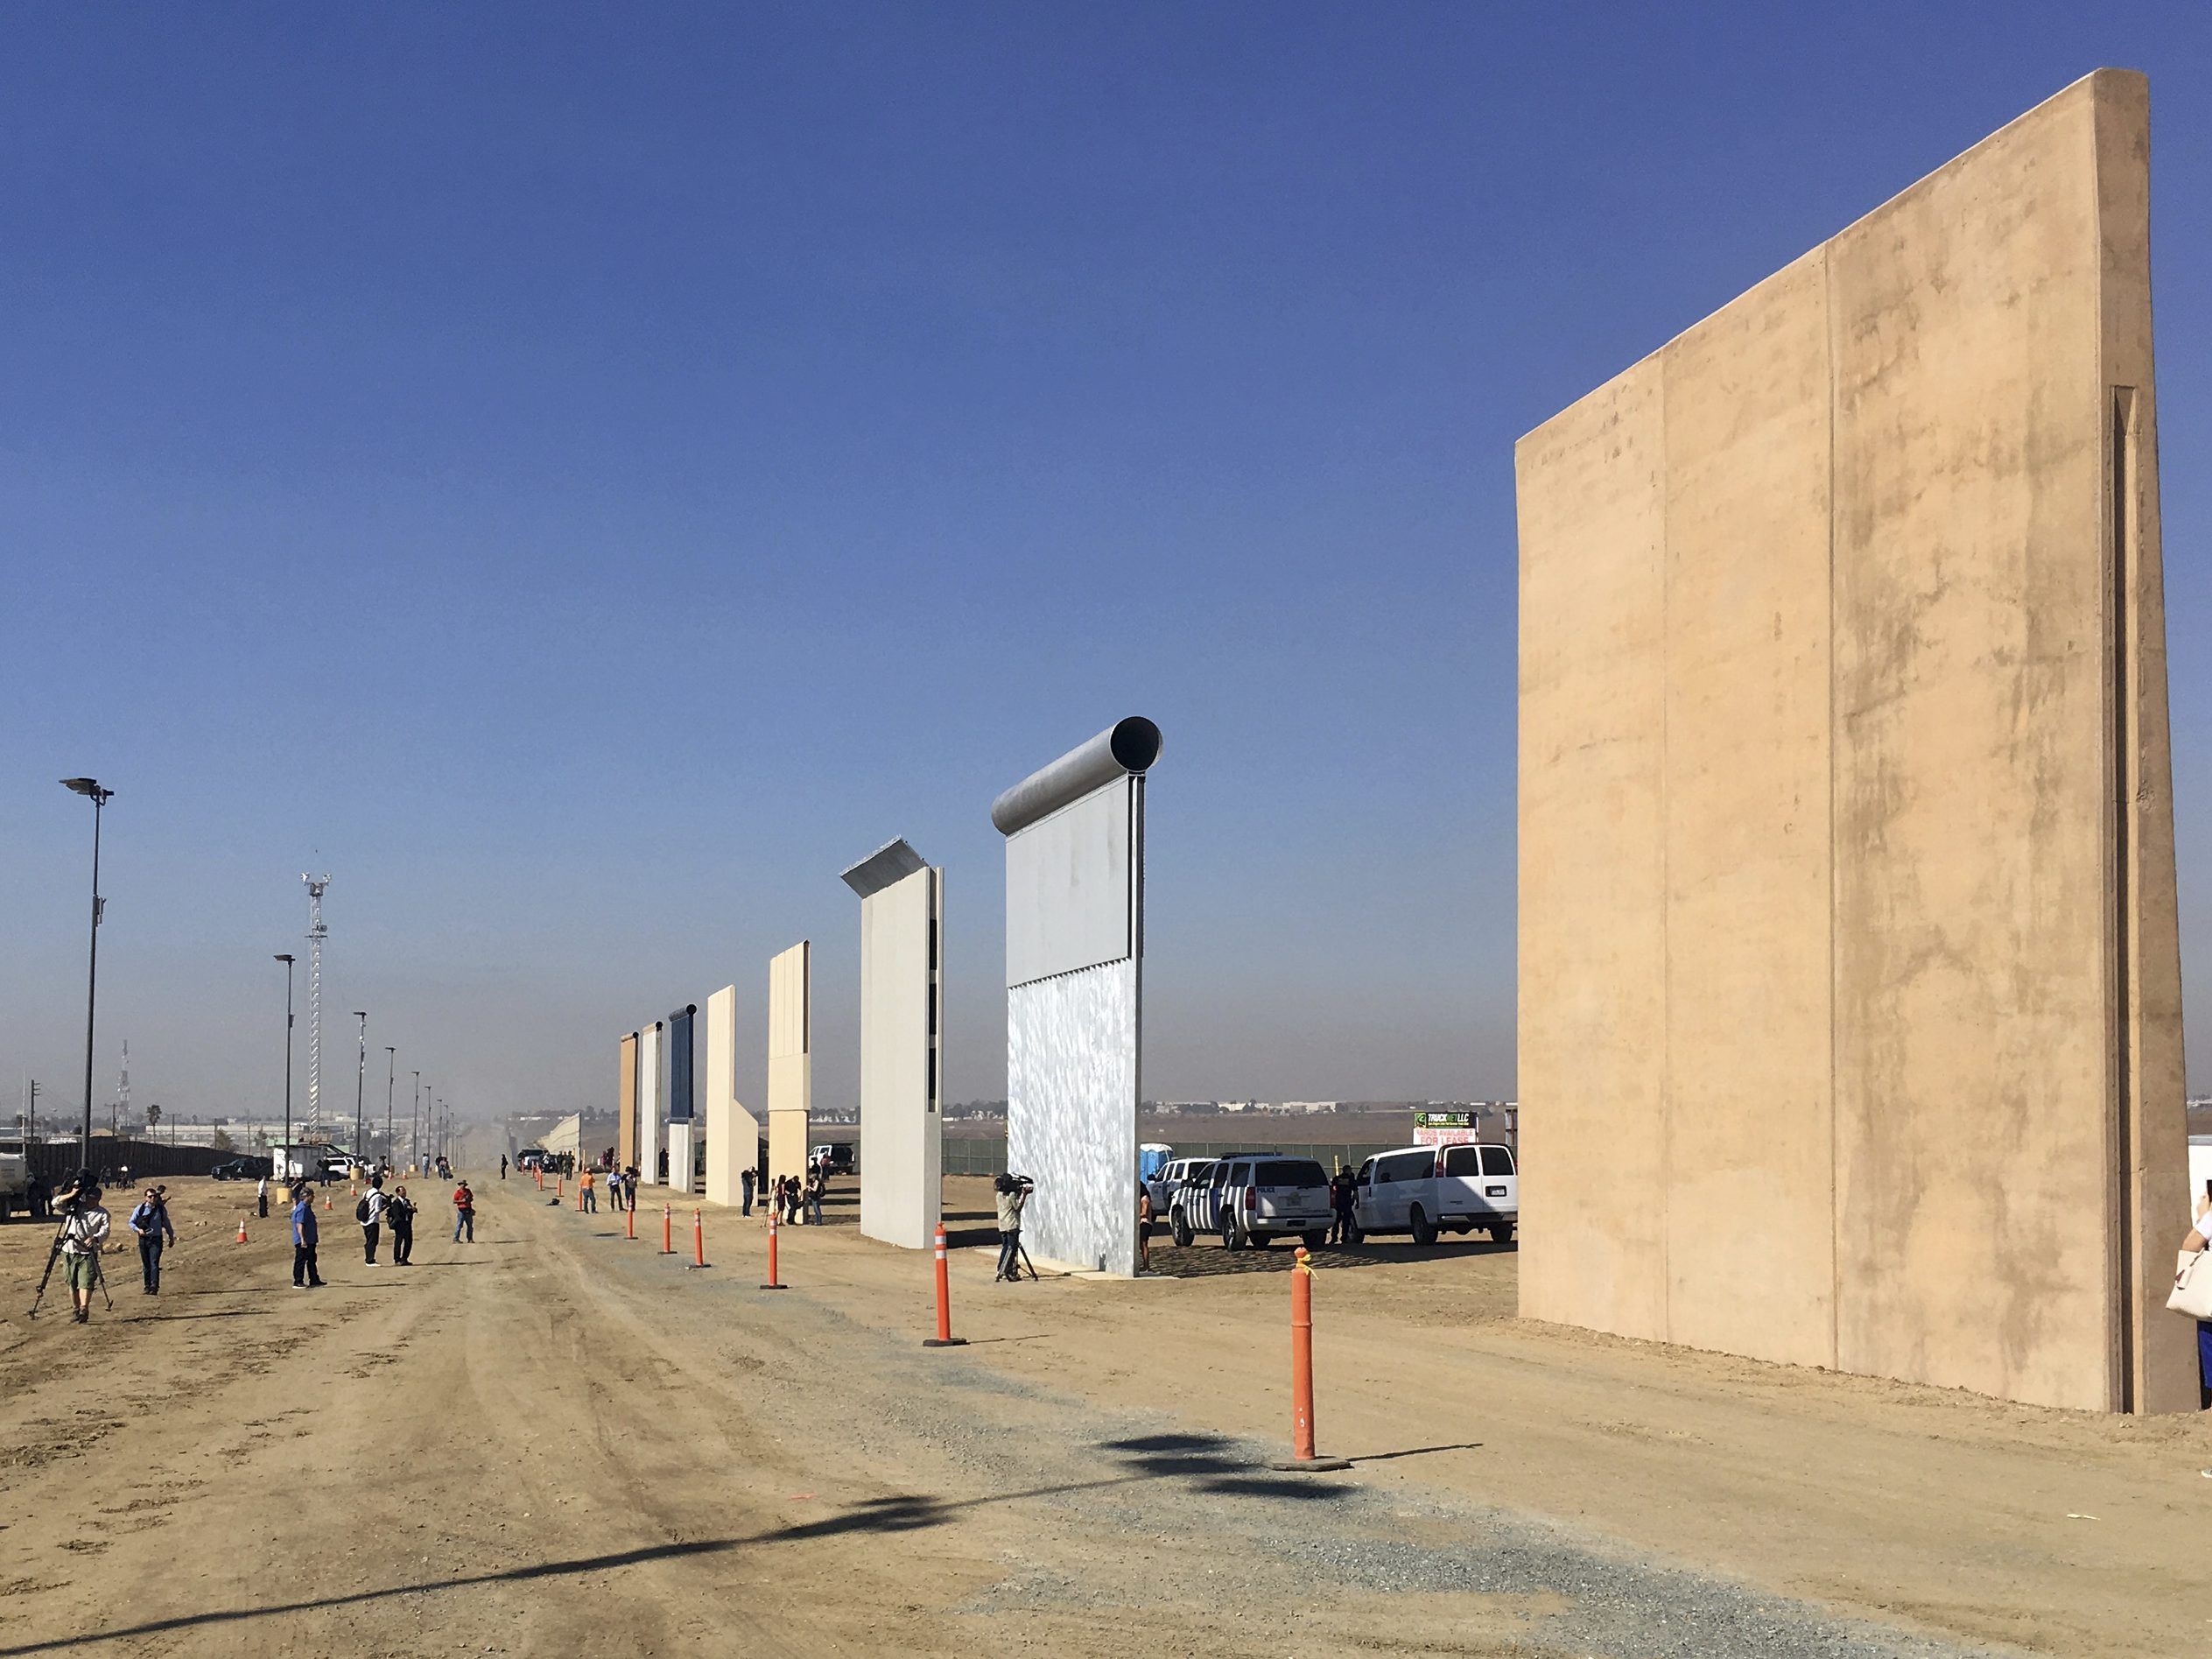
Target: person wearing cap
[464,1213]
[150,1221]
[84,1234]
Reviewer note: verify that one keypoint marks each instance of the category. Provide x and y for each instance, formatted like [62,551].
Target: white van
[1425,1189]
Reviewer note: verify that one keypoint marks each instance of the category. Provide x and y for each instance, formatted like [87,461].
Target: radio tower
[316,934]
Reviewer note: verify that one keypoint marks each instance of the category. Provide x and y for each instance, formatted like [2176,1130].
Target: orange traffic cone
[326,1200]
[241,1229]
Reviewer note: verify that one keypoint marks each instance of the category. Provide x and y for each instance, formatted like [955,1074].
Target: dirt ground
[558,1441]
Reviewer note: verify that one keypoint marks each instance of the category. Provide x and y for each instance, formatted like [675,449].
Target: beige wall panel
[1592,1019]
[1971,1038]
[790,1066]
[626,1104]
[1951,405]
[1749,1197]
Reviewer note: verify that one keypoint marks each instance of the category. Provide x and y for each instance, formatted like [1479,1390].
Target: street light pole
[391,1059]
[90,788]
[284,1148]
[360,1073]
[414,1104]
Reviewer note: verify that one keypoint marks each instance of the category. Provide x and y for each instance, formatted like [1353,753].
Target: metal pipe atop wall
[1127,745]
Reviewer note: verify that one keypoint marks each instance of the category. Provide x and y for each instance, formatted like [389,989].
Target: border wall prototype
[1074,973]
[1849,984]
[901,1051]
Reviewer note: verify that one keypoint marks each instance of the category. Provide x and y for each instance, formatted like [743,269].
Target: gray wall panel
[1068,886]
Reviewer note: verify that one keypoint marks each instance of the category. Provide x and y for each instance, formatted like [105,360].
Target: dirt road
[557,1441]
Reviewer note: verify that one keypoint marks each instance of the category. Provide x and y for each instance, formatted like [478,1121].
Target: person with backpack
[371,1214]
[401,1213]
[464,1213]
[815,1185]
[151,1222]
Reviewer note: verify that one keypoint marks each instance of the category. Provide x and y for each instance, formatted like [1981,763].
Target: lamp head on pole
[88,787]
[286,957]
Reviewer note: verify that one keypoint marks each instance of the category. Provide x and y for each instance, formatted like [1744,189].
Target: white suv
[1267,1196]
[1423,1189]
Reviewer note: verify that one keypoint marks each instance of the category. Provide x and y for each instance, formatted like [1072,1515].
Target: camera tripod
[54,1255]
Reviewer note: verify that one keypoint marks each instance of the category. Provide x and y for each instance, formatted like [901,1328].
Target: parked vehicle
[1426,1189]
[241,1170]
[533,1157]
[1259,1198]
[831,1158]
[15,1185]
[1171,1180]
[1197,1203]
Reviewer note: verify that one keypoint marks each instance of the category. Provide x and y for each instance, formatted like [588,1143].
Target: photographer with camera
[83,1236]
[1014,1192]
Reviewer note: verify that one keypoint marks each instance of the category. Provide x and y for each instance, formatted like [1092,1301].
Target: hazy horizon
[584,479]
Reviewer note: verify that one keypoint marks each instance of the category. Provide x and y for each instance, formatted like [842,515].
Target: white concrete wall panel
[1071,896]
[1071,1113]
[901,1143]
[681,1163]
[733,1133]
[790,1066]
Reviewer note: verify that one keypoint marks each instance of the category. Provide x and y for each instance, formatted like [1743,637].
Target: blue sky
[585,475]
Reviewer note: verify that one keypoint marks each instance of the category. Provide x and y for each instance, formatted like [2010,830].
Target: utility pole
[391,1059]
[316,934]
[283,1164]
[361,1071]
[90,788]
[414,1104]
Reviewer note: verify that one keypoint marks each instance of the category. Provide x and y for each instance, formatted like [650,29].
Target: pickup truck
[1425,1189]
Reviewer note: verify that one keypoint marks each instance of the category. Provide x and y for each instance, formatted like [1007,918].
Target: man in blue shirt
[151,1222]
[303,1275]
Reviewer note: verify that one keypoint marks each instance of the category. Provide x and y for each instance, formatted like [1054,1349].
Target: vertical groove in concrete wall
[1805,595]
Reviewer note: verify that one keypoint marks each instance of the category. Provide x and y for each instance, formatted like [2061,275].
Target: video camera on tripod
[78,1237]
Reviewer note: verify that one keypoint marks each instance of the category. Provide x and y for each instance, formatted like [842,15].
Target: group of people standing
[374,1212]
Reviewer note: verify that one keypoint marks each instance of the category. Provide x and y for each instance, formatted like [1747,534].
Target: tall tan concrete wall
[791,1064]
[626,1104]
[1849,1017]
